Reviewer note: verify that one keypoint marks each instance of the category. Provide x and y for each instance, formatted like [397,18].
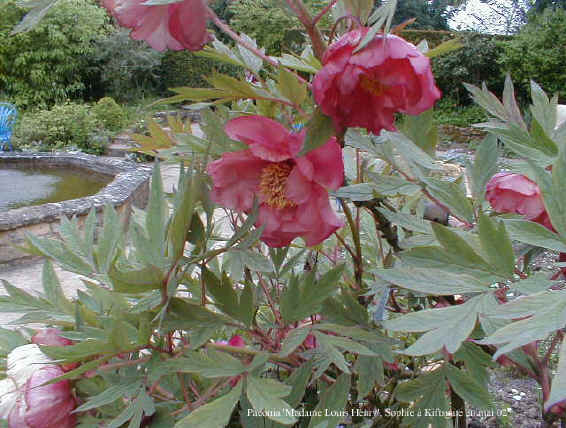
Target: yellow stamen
[373,86]
[273,183]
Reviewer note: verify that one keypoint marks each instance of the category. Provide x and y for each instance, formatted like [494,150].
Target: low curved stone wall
[130,186]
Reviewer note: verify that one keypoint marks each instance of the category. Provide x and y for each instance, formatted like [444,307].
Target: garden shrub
[110,113]
[129,69]
[53,61]
[475,62]
[184,68]
[64,125]
[448,112]
[273,27]
[538,53]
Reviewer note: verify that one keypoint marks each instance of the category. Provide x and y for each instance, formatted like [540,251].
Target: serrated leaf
[215,414]
[297,63]
[408,149]
[545,312]
[138,280]
[534,234]
[226,298]
[267,394]
[252,259]
[487,100]
[252,61]
[497,245]
[452,196]
[440,334]
[356,192]
[370,372]
[291,88]
[232,86]
[108,239]
[298,381]
[484,166]
[212,364]
[303,297]
[421,131]
[476,362]
[543,109]
[510,104]
[52,289]
[293,340]
[319,130]
[332,403]
[468,389]
[429,392]
[108,396]
[431,281]
[345,344]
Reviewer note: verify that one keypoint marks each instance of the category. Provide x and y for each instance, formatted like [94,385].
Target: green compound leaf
[215,414]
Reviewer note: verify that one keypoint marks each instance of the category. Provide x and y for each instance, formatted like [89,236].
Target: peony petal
[236,178]
[327,165]
[318,218]
[268,139]
[398,78]
[237,341]
[48,405]
[298,186]
[188,24]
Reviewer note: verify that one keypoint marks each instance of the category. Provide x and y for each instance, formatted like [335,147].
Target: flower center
[273,183]
[373,86]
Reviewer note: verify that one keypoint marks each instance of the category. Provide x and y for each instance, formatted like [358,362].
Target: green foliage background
[538,53]
[53,62]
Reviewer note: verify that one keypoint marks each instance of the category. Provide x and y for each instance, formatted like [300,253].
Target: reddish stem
[318,45]
[257,52]
[323,12]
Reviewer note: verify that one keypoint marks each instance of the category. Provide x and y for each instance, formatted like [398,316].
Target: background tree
[538,53]
[54,61]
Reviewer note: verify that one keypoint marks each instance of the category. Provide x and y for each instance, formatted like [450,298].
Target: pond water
[26,186]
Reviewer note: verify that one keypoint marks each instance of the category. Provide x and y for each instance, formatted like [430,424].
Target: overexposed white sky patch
[491,16]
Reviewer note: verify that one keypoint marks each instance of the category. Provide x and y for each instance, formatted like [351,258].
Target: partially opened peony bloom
[514,193]
[365,89]
[292,191]
[27,404]
[174,26]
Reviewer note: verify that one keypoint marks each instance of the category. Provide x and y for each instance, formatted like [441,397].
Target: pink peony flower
[174,26]
[365,89]
[514,193]
[27,404]
[292,191]
[47,406]
[237,341]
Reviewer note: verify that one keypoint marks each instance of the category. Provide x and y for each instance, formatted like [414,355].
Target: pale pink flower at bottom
[47,406]
[515,193]
[24,402]
[292,191]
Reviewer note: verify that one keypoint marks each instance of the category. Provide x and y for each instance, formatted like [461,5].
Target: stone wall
[130,187]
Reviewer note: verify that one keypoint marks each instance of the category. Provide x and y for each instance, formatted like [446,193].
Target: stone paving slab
[27,275]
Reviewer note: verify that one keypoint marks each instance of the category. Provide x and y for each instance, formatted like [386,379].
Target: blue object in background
[297,127]
[8,116]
